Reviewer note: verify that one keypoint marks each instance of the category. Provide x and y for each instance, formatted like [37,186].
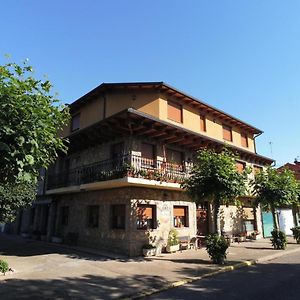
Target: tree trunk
[217,217]
[295,214]
[275,218]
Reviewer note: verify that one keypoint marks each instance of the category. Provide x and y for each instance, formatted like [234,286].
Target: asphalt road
[276,279]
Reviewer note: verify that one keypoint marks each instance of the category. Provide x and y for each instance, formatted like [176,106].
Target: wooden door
[202,219]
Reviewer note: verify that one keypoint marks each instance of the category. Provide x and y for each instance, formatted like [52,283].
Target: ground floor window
[118,213]
[249,219]
[180,216]
[146,216]
[64,215]
[93,216]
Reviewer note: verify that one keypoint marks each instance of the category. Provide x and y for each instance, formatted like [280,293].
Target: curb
[152,291]
[240,265]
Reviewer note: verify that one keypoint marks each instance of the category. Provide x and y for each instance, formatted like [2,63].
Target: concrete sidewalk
[47,271]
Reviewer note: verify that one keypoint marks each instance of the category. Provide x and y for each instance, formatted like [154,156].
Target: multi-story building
[130,147]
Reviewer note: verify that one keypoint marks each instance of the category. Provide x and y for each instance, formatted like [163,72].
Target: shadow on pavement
[87,287]
[17,246]
[265,281]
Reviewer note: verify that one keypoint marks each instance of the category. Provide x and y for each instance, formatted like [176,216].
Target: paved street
[275,279]
[48,271]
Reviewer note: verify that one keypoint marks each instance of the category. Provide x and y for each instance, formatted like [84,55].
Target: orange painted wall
[154,104]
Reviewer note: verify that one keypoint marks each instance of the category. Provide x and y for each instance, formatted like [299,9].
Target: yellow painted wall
[214,128]
[89,114]
[92,113]
[145,101]
[152,103]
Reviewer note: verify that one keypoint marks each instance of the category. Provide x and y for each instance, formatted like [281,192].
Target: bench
[185,242]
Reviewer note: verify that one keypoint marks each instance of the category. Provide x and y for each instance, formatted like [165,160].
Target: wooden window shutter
[174,112]
[179,211]
[240,166]
[145,211]
[244,140]
[75,122]
[227,133]
[202,123]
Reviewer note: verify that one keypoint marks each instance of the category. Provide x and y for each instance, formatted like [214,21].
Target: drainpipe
[254,137]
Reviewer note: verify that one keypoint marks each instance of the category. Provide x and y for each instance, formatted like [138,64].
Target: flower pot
[149,252]
[56,240]
[173,248]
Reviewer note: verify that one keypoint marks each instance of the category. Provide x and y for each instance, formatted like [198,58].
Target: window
[202,123]
[180,216]
[118,216]
[75,122]
[174,156]
[244,140]
[64,215]
[117,150]
[93,216]
[148,151]
[146,215]
[249,219]
[227,133]
[240,166]
[257,169]
[174,112]
[174,160]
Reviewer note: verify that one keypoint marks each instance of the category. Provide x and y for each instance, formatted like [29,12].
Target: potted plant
[149,250]
[173,241]
[254,234]
[296,234]
[216,247]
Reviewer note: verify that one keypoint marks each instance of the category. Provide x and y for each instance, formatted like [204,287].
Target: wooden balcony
[120,167]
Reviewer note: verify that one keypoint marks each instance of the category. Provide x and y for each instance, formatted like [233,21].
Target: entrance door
[202,219]
[267,223]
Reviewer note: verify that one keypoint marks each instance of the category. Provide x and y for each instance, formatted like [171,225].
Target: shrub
[173,238]
[278,240]
[296,233]
[3,266]
[216,247]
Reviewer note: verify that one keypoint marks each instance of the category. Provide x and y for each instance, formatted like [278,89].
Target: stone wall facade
[130,239]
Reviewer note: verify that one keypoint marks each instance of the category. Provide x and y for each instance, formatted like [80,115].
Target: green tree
[30,119]
[214,178]
[274,189]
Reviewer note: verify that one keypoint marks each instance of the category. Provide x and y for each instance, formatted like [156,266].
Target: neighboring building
[131,144]
[289,216]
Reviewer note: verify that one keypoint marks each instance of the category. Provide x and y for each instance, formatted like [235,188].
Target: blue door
[267,223]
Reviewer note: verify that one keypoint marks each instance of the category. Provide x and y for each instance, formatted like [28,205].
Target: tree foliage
[214,177]
[274,189]
[30,119]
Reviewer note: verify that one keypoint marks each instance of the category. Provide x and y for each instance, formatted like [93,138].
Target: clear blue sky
[240,56]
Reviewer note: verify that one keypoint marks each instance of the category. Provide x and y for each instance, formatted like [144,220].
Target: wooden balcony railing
[119,167]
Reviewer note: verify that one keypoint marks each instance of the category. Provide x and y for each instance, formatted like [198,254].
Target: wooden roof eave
[137,123]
